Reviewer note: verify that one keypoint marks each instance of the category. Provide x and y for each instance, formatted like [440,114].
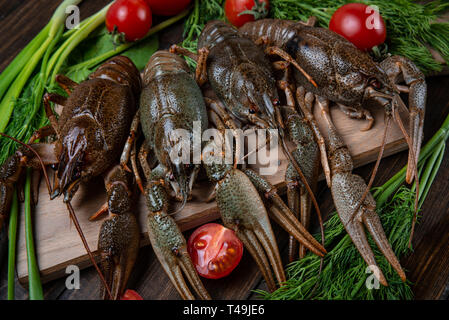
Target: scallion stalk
[28,61]
[34,280]
[58,58]
[13,217]
[13,69]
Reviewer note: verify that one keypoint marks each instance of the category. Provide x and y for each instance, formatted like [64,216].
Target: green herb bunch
[411,27]
[202,12]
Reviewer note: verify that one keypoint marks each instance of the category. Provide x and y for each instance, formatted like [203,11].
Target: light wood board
[58,244]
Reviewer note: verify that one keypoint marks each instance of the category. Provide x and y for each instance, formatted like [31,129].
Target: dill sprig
[202,12]
[345,273]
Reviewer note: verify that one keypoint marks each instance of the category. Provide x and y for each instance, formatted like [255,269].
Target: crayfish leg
[358,113]
[399,68]
[66,83]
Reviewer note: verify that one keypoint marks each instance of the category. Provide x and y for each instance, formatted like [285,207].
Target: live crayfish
[345,75]
[241,77]
[170,100]
[91,132]
[350,78]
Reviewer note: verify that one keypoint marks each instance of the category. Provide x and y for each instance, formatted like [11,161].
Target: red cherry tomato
[131,17]
[167,7]
[131,295]
[360,24]
[215,250]
[234,7]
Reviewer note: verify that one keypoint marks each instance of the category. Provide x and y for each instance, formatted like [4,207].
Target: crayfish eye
[376,84]
[253,109]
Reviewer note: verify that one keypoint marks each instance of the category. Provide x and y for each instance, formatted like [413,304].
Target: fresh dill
[344,274]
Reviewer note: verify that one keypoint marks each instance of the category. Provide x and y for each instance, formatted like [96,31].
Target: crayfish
[242,79]
[170,100]
[90,135]
[351,79]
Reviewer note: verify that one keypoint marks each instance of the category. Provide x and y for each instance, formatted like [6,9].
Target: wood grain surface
[427,266]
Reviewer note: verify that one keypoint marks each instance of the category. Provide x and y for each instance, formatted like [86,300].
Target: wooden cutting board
[58,243]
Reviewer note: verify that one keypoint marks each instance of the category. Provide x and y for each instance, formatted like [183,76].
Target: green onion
[27,62]
[34,281]
[13,69]
[13,217]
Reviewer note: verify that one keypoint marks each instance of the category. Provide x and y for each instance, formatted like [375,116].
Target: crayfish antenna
[86,246]
[183,204]
[415,165]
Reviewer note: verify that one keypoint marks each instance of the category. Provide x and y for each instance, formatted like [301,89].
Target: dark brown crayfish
[90,135]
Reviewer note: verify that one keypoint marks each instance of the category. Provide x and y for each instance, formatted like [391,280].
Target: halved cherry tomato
[130,17]
[257,9]
[131,295]
[167,7]
[360,24]
[215,250]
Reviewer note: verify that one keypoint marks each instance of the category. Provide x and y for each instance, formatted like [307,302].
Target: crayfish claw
[238,200]
[118,245]
[170,247]
[251,243]
[374,226]
[358,237]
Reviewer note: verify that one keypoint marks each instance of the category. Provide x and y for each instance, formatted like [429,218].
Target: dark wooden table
[428,265]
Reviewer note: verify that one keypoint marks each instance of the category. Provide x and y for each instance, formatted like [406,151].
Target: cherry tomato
[130,17]
[215,250]
[259,9]
[167,7]
[360,24]
[131,295]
